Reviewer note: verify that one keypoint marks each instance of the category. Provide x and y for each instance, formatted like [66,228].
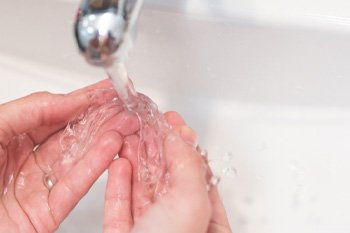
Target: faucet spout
[104,29]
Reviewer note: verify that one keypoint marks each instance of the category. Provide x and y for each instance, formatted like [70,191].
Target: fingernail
[189,136]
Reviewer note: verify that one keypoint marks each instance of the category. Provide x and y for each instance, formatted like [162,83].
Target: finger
[40,109]
[48,112]
[187,184]
[117,213]
[175,120]
[219,221]
[49,154]
[126,123]
[41,134]
[184,163]
[72,187]
[186,206]
[98,94]
[141,192]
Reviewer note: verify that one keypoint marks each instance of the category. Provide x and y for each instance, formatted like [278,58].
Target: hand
[27,205]
[187,207]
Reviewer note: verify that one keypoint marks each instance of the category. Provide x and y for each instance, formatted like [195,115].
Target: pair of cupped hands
[30,128]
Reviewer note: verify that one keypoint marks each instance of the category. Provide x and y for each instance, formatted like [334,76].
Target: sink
[267,92]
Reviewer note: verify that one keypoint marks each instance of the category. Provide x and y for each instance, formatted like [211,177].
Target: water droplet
[296,169]
[10,179]
[230,172]
[248,200]
[214,180]
[204,153]
[5,190]
[36,148]
[228,157]
[89,172]
[20,181]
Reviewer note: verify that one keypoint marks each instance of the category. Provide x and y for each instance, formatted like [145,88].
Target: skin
[186,207]
[26,204]
[30,130]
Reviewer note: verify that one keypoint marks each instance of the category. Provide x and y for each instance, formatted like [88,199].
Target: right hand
[30,146]
[187,207]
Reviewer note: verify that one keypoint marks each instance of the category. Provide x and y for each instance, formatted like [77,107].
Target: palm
[27,204]
[30,205]
[186,207]
[25,199]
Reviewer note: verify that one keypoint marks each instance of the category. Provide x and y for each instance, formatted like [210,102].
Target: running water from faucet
[104,31]
[153,128]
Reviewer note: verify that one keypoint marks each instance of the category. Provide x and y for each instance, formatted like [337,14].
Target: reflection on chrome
[103,29]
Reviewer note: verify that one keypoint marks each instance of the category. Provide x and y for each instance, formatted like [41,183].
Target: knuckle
[41,94]
[5,135]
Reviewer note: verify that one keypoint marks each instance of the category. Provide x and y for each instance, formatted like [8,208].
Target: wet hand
[29,143]
[186,207]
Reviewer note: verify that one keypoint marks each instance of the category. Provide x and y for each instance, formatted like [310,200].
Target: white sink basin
[274,95]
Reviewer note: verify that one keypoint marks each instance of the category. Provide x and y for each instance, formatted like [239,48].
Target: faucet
[104,29]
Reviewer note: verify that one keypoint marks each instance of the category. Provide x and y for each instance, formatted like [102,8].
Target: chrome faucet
[104,29]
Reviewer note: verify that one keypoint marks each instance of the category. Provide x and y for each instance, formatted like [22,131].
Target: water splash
[228,169]
[228,157]
[297,171]
[80,133]
[153,129]
[230,172]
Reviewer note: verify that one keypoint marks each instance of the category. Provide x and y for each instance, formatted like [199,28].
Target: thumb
[188,194]
[186,207]
[185,165]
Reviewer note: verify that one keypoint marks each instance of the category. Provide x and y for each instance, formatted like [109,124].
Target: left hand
[27,205]
[187,207]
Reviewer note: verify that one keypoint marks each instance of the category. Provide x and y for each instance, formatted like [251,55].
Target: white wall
[333,14]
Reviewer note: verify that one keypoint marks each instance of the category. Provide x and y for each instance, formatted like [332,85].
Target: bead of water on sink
[296,169]
[248,200]
[228,157]
[230,172]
